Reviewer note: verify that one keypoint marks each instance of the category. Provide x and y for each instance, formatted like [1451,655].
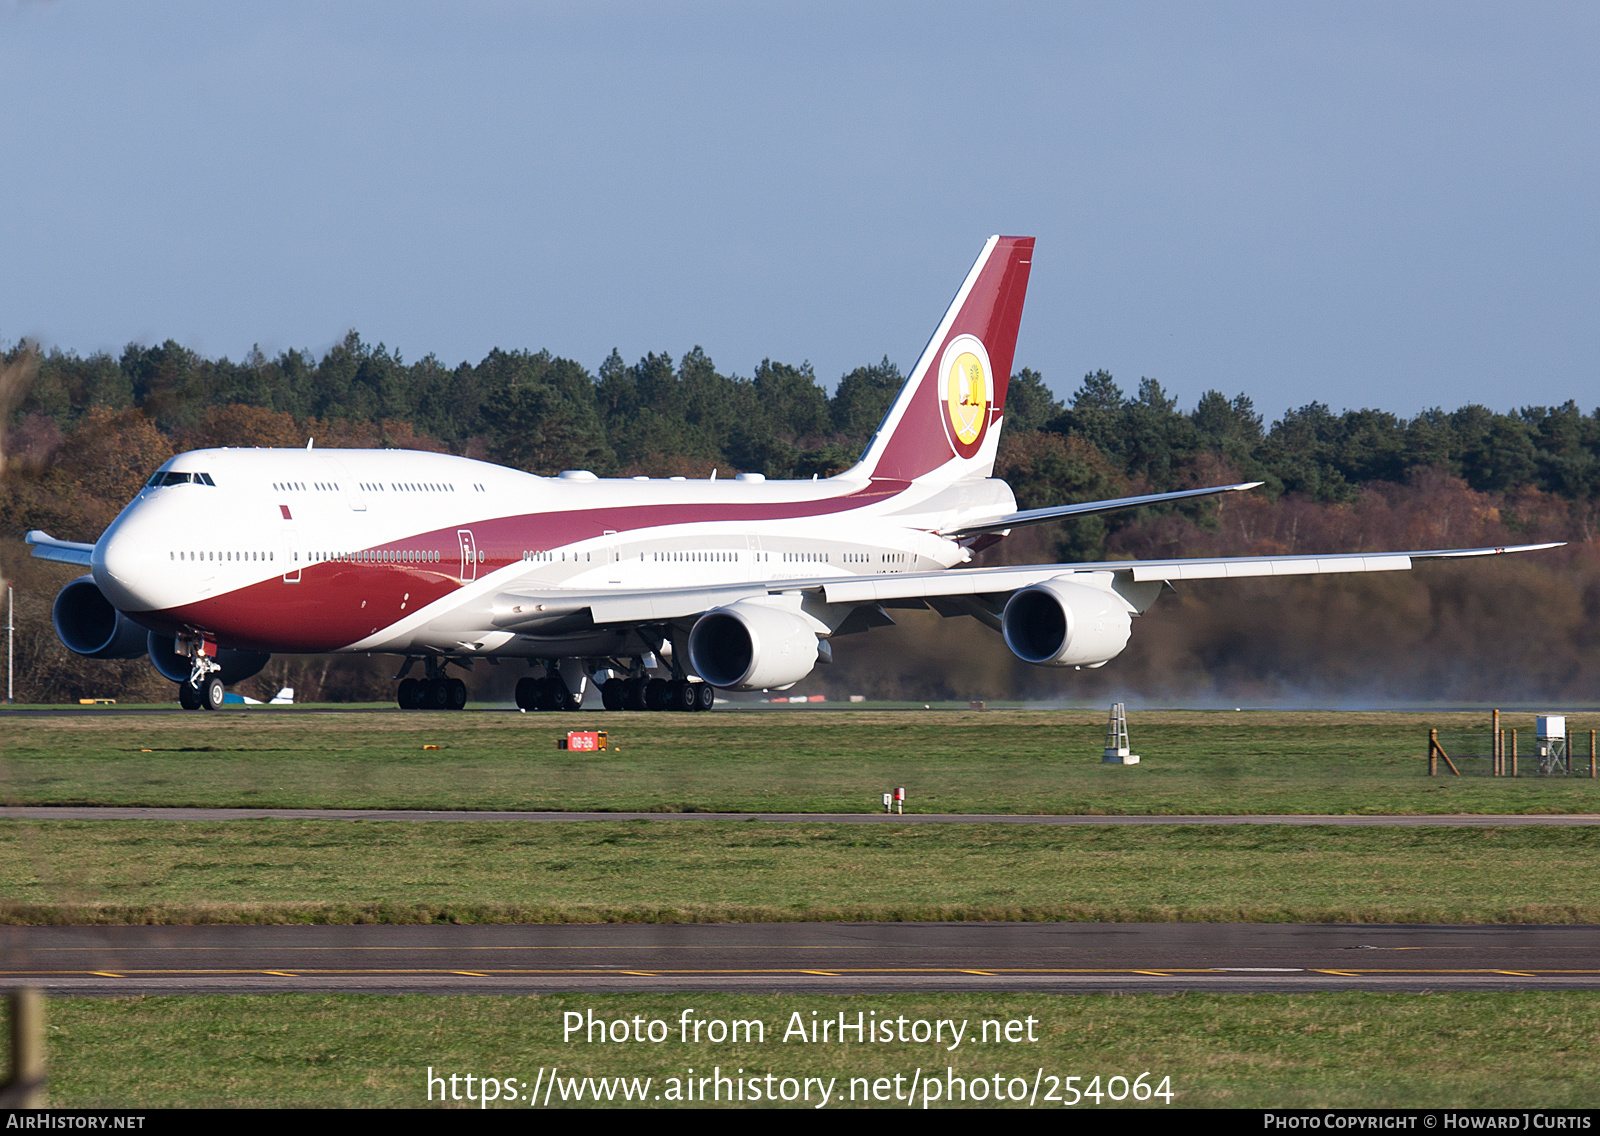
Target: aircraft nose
[120,564]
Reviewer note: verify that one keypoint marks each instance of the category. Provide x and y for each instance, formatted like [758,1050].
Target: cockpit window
[173,477]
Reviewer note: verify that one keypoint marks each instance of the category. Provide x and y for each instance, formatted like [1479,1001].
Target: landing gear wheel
[612,693]
[435,696]
[656,694]
[681,696]
[407,694]
[705,695]
[188,696]
[634,697]
[455,693]
[212,693]
[564,699]
[525,688]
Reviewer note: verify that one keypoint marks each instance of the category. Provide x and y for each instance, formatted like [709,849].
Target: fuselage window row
[187,555]
[692,557]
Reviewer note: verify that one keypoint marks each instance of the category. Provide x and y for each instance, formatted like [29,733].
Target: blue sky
[1388,205]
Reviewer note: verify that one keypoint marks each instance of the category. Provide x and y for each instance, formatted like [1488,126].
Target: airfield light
[1117,751]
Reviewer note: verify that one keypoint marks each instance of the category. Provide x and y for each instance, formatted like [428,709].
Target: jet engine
[236,665]
[749,646]
[88,624]
[1058,623]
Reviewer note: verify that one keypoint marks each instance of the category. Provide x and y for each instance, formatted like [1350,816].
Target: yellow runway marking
[837,972]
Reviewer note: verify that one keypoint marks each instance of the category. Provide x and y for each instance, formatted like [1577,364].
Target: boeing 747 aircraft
[657,590]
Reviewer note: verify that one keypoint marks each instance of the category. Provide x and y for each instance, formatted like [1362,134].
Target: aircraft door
[349,486]
[469,554]
[611,549]
[291,556]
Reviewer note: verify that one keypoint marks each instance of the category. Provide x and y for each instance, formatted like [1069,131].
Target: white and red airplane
[660,590]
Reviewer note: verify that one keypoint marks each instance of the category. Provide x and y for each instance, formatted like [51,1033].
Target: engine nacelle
[89,625]
[236,665]
[1058,623]
[749,646]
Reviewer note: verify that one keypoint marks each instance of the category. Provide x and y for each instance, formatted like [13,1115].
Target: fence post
[1433,752]
[1496,746]
[1513,753]
[1591,753]
[25,1089]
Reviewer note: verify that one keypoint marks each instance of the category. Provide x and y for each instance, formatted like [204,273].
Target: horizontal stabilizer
[1088,508]
[47,547]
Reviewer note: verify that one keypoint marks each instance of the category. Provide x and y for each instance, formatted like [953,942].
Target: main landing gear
[641,693]
[547,693]
[438,691]
[432,694]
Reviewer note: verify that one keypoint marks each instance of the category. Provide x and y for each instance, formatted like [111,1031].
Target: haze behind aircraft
[659,590]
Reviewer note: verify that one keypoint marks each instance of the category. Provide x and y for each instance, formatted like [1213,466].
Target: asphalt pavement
[859,958]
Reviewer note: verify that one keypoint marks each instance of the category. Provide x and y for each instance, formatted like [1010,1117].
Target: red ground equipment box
[587,740]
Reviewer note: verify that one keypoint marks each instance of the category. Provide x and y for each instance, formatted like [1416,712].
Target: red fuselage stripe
[339,602]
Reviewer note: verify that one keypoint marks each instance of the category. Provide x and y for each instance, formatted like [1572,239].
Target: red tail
[946,422]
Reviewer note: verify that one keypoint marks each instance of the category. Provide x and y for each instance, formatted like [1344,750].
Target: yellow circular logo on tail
[967,395]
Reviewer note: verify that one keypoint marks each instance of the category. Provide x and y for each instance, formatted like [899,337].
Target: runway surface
[1450,820]
[860,958]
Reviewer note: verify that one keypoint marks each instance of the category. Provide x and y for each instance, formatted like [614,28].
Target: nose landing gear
[203,689]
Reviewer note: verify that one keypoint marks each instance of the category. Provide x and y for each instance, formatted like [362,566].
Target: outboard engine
[1060,623]
[749,646]
[89,626]
[236,665]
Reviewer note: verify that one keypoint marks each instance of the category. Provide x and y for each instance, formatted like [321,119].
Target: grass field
[1281,1051]
[343,871]
[1004,761]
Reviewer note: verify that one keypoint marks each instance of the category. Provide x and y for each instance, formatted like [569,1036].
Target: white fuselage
[394,550]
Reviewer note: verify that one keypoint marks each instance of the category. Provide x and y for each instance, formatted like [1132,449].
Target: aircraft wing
[47,547]
[1087,508]
[979,581]
[558,610]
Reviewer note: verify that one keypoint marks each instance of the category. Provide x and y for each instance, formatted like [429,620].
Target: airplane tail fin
[284,697]
[945,424]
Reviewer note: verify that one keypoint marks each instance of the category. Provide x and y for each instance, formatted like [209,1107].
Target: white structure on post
[1550,742]
[1117,739]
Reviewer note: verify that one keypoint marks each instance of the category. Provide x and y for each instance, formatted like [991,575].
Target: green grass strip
[640,871]
[1002,761]
[1350,1050]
